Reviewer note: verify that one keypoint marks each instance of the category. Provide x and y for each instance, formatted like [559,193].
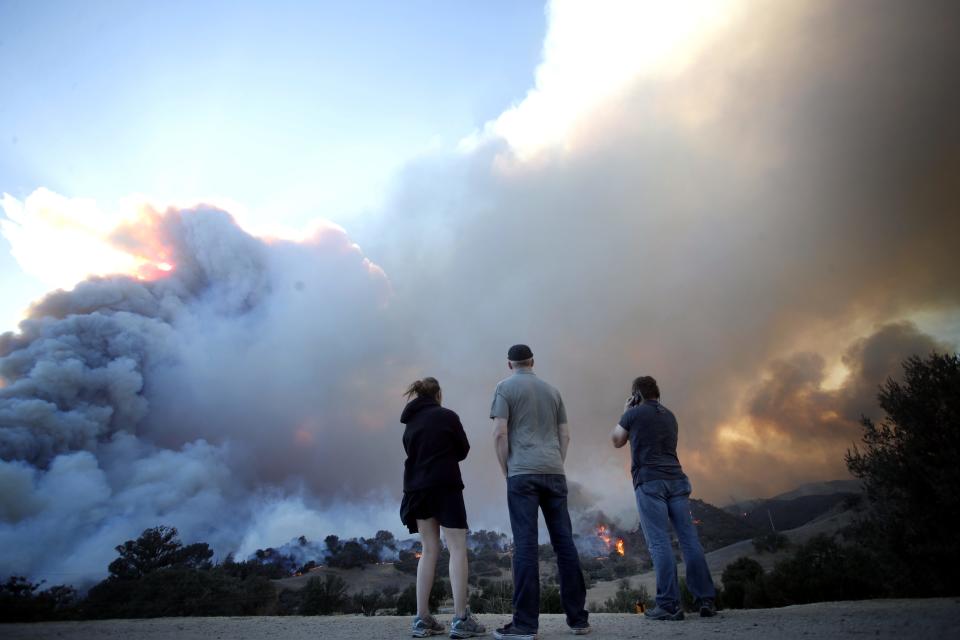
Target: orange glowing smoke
[145,240]
[303,436]
[620,546]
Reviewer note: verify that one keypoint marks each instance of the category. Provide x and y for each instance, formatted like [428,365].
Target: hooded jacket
[435,443]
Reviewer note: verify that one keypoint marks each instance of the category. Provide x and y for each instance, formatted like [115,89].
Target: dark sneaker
[581,629]
[508,632]
[426,626]
[663,614]
[467,626]
[708,608]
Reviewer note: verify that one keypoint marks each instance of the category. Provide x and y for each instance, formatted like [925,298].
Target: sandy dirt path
[894,619]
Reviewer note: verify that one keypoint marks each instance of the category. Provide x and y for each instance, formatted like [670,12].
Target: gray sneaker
[467,626]
[426,626]
[657,613]
[708,608]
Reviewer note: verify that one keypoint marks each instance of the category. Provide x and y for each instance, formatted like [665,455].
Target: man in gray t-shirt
[531,437]
[536,423]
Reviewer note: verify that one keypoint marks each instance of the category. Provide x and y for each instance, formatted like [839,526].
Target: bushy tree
[909,467]
[180,591]
[550,599]
[156,575]
[495,596]
[351,554]
[333,543]
[365,602]
[823,570]
[323,596]
[625,599]
[407,562]
[22,601]
[738,577]
[158,548]
[438,593]
[253,567]
[819,570]
[407,600]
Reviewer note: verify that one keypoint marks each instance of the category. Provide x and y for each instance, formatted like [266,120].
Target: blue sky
[296,110]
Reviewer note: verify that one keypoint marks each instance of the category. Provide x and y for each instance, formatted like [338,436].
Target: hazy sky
[296,110]
[294,216]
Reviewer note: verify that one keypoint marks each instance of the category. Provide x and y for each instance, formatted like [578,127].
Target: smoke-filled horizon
[768,229]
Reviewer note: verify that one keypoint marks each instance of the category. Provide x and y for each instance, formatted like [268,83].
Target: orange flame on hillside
[603,533]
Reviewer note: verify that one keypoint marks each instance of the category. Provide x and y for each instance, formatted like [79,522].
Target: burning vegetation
[613,543]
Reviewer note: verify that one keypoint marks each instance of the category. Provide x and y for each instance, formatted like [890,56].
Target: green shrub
[324,596]
[550,599]
[824,570]
[625,599]
[736,579]
[180,591]
[21,601]
[687,601]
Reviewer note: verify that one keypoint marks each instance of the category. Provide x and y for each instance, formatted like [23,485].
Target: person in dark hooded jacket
[435,443]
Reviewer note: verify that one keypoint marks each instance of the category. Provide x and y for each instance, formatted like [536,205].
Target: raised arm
[619,436]
[501,443]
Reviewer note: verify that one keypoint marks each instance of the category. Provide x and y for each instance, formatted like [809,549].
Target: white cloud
[592,51]
[60,240]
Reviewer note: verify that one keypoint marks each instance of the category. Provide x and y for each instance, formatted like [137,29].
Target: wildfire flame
[603,532]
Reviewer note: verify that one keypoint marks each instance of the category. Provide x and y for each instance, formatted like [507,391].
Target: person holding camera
[435,443]
[663,491]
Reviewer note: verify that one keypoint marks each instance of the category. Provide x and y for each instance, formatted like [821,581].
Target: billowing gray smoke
[244,385]
[732,229]
[788,194]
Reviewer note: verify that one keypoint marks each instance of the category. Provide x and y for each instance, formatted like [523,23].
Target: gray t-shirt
[534,411]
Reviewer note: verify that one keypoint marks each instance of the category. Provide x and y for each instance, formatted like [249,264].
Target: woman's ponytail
[428,387]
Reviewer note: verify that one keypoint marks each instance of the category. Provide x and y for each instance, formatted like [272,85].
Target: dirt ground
[893,619]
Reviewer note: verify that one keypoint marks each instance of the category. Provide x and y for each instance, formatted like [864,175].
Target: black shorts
[444,504]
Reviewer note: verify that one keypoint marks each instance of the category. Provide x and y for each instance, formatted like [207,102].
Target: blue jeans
[661,502]
[525,495]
